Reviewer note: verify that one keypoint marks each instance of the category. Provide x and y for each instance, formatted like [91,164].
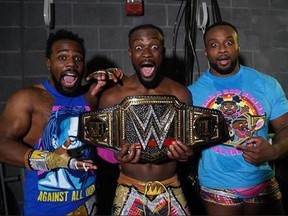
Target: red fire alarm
[134,7]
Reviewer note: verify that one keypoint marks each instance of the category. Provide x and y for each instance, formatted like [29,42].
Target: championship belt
[152,122]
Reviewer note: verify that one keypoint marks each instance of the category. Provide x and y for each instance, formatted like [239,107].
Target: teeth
[70,73]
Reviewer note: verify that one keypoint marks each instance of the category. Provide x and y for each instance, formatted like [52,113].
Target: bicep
[109,99]
[185,96]
[105,101]
[280,123]
[16,118]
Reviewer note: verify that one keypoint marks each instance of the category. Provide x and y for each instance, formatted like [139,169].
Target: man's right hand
[101,77]
[128,154]
[46,161]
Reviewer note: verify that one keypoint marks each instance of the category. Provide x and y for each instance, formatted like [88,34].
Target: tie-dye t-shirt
[59,191]
[248,100]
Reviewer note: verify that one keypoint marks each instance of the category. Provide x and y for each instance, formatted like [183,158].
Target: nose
[71,63]
[222,48]
[146,53]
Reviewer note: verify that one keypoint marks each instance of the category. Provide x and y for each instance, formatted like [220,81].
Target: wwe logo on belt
[151,126]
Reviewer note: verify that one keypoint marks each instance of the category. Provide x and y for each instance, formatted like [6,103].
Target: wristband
[54,161]
[26,159]
[45,161]
[36,159]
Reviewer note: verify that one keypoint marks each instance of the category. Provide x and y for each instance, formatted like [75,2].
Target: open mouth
[223,60]
[69,79]
[147,69]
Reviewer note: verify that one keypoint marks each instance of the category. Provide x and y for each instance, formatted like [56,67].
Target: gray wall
[262,25]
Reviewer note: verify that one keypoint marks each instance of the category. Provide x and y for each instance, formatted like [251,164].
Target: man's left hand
[258,151]
[101,77]
[179,151]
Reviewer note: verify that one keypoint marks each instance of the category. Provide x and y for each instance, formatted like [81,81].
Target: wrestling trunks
[265,192]
[152,122]
[134,197]
[149,189]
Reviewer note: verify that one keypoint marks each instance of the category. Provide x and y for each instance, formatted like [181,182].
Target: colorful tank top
[60,191]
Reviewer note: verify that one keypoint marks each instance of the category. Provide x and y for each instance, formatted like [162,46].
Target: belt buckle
[154,188]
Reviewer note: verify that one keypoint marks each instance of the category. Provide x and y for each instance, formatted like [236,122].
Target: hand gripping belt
[152,122]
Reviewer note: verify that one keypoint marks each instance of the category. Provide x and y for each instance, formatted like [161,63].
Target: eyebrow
[66,50]
[228,37]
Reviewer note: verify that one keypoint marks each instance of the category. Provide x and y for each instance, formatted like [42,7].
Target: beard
[150,84]
[75,91]
[227,71]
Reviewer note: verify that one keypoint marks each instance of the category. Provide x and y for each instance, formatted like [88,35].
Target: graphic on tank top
[244,114]
[62,124]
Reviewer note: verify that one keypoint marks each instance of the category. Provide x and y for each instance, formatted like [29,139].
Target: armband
[107,155]
[45,161]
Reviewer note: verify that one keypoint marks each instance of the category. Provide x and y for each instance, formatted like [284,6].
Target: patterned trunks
[263,193]
[134,197]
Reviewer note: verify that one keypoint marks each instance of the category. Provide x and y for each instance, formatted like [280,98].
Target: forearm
[280,143]
[12,152]
[21,155]
[46,161]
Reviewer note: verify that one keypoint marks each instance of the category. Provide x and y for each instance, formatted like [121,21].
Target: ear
[48,64]
[205,52]
[129,52]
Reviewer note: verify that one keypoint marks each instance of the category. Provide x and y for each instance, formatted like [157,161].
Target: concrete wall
[262,25]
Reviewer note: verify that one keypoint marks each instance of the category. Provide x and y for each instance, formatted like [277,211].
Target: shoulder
[111,96]
[259,76]
[248,71]
[28,92]
[26,102]
[203,80]
[29,96]
[178,90]
[172,83]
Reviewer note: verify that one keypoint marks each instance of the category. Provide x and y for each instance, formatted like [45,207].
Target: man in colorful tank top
[39,132]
